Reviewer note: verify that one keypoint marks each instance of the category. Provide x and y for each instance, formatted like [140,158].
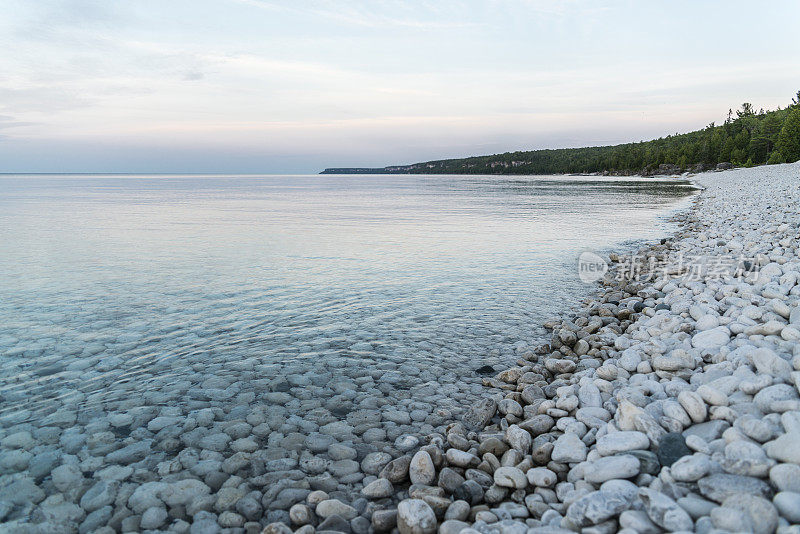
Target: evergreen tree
[789,138]
[776,158]
[770,128]
[748,138]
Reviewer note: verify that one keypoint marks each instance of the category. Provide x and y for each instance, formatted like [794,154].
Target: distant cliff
[746,138]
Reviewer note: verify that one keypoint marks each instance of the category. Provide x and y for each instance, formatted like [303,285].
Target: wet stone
[671,448]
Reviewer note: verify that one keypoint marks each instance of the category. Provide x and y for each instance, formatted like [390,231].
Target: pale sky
[271,86]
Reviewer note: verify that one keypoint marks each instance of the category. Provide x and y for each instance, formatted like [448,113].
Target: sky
[272,86]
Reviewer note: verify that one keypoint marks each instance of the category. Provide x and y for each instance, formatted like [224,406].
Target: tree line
[747,137]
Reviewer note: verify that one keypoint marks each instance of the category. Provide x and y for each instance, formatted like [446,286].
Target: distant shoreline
[750,139]
[662,171]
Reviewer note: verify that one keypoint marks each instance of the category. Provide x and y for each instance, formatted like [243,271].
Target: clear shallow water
[173,327]
[104,278]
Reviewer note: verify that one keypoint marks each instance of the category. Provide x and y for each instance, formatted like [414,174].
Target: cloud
[562,8]
[322,76]
[365,14]
[6,121]
[41,99]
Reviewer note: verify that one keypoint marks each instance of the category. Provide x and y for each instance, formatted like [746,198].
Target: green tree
[747,110]
[727,150]
[775,158]
[759,148]
[715,146]
[746,137]
[789,139]
[770,128]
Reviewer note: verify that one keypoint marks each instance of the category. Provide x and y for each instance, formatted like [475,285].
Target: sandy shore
[669,402]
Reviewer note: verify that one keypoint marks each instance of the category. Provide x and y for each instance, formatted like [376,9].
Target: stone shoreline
[663,405]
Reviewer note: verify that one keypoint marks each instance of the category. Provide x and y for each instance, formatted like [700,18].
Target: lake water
[298,310]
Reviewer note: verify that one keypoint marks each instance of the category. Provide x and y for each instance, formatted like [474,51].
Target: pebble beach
[667,402]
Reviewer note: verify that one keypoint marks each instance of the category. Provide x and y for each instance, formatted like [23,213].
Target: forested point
[746,138]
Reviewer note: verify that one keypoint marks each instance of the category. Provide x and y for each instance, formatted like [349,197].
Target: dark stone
[485,370]
[325,482]
[494,445]
[483,479]
[648,461]
[42,464]
[341,410]
[121,432]
[638,306]
[469,491]
[450,480]
[49,370]
[662,306]
[360,504]
[672,448]
[215,479]
[396,471]
[384,520]
[335,523]
[363,449]
[360,525]
[281,386]
[273,516]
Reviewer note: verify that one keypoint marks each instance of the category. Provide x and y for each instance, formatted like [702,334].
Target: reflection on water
[112,280]
[242,335]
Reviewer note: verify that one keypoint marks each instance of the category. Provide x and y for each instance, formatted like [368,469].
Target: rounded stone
[378,489]
[384,520]
[510,477]
[331,507]
[665,512]
[694,405]
[541,477]
[153,517]
[612,467]
[415,516]
[762,515]
[300,514]
[568,449]
[624,441]
[458,510]
[690,468]
[421,470]
[786,477]
[99,495]
[788,504]
[374,462]
[519,438]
